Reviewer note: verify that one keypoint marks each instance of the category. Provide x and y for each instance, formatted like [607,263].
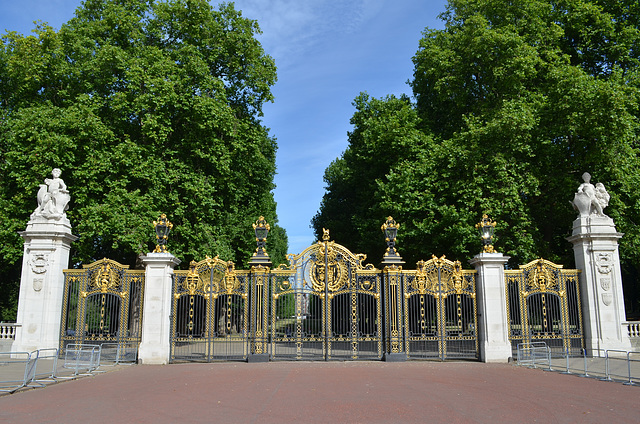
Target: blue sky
[327,52]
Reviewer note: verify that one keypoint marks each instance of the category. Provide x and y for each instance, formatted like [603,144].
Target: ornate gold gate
[440,318]
[326,305]
[543,304]
[102,305]
[209,312]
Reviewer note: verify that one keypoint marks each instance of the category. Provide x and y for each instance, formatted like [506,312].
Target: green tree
[147,107]
[385,132]
[514,100]
[529,105]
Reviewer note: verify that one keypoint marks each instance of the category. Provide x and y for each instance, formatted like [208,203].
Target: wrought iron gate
[440,315]
[102,305]
[543,304]
[326,305]
[209,312]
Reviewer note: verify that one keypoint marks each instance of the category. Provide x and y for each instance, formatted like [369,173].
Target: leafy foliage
[147,107]
[514,101]
[384,133]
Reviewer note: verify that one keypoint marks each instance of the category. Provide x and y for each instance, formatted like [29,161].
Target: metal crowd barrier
[607,365]
[83,359]
[534,354]
[621,365]
[47,357]
[118,353]
[20,370]
[32,369]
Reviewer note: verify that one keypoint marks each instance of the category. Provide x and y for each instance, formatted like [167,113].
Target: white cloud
[292,27]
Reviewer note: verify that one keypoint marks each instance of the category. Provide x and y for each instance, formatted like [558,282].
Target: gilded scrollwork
[192,283]
[541,276]
[457,282]
[439,305]
[334,271]
[106,279]
[108,307]
[230,279]
[439,276]
[425,281]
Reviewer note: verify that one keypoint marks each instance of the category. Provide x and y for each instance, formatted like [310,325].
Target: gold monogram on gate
[106,279]
[335,272]
[540,278]
[193,282]
[230,280]
[457,279]
[425,280]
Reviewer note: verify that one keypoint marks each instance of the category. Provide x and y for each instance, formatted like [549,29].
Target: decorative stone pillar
[155,345]
[595,247]
[493,326]
[47,242]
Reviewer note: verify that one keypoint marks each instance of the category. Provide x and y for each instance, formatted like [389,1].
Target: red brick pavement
[335,392]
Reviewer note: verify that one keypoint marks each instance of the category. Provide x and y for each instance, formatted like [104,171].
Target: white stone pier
[595,247]
[155,345]
[47,242]
[493,326]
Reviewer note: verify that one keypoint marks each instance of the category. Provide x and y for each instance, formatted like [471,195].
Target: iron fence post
[607,377]
[629,382]
[394,344]
[260,277]
[259,330]
[391,265]
[584,356]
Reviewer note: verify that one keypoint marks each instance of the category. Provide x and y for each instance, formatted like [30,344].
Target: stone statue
[53,197]
[602,196]
[589,199]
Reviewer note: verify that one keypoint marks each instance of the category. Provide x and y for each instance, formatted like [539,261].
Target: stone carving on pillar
[589,199]
[604,262]
[39,263]
[53,198]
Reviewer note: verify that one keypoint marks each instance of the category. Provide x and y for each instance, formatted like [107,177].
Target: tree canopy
[148,107]
[513,102]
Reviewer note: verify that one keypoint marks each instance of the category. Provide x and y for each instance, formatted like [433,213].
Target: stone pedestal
[47,242]
[595,247]
[493,326]
[155,345]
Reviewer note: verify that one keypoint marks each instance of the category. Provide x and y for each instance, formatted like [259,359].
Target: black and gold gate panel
[209,312]
[440,314]
[102,305]
[326,305]
[543,304]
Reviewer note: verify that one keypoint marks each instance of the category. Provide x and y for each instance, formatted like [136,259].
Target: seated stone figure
[53,197]
[589,199]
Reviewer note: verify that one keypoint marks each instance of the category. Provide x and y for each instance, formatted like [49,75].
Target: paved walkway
[335,392]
